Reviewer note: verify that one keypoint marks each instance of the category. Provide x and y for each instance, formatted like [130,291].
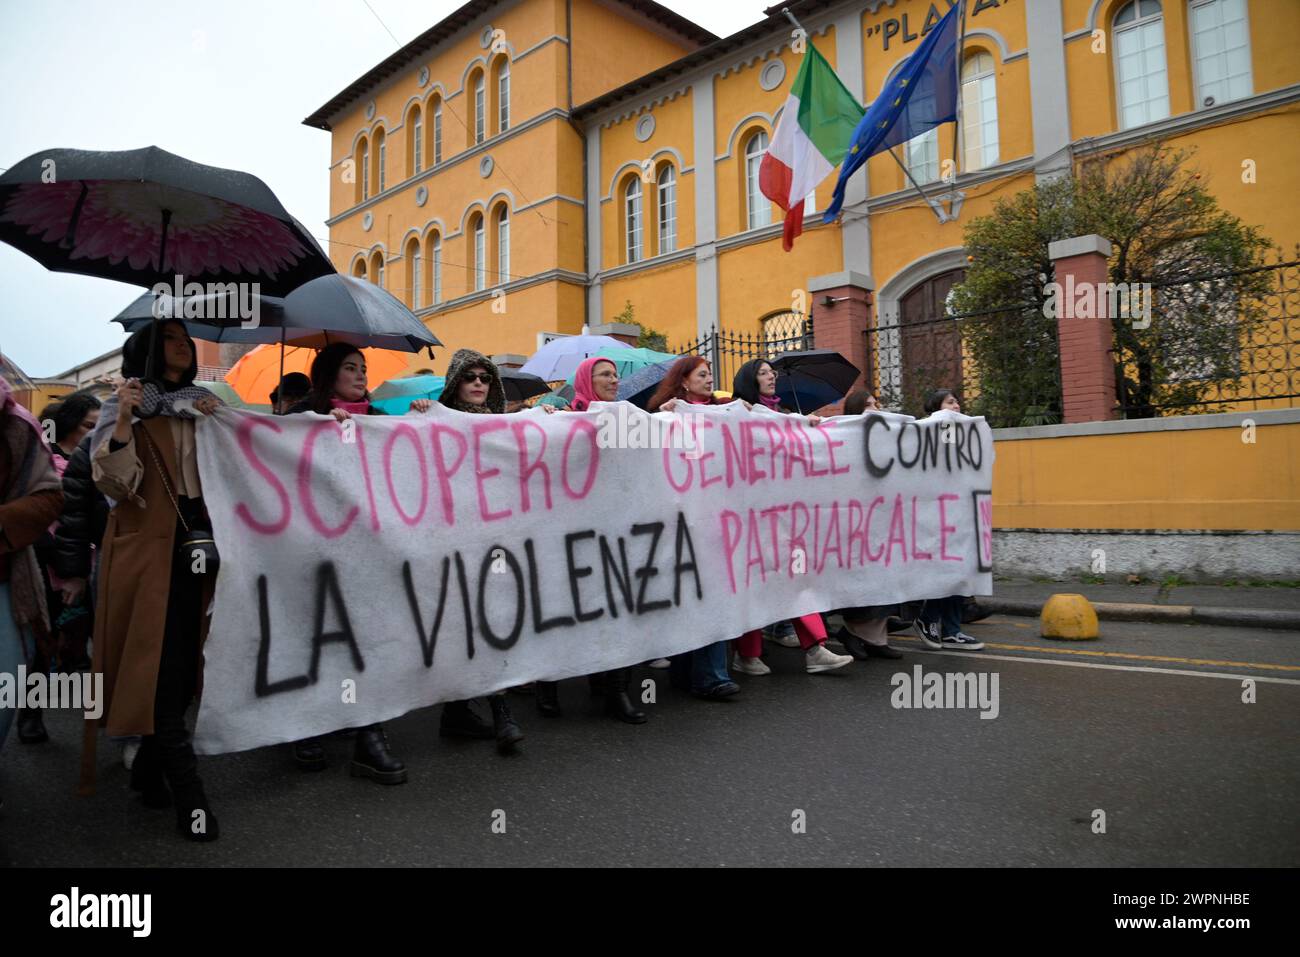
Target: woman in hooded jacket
[338,388]
[595,381]
[148,640]
[755,382]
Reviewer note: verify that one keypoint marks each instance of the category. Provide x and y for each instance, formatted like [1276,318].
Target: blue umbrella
[560,358]
[396,395]
[640,385]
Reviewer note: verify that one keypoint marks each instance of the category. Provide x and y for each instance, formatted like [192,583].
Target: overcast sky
[227,84]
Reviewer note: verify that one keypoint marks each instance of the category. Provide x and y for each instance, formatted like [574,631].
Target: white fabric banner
[388,563]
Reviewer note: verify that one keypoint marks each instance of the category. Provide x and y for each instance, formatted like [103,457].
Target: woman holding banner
[595,381]
[148,641]
[755,383]
[689,382]
[338,388]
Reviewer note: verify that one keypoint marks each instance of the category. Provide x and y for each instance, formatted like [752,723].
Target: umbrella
[396,395]
[630,360]
[521,386]
[256,374]
[555,399]
[560,358]
[230,397]
[146,216]
[141,312]
[640,385]
[811,378]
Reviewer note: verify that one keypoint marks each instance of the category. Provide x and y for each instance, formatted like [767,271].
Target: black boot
[309,755]
[194,817]
[31,726]
[507,732]
[548,699]
[617,703]
[459,720]
[372,759]
[147,775]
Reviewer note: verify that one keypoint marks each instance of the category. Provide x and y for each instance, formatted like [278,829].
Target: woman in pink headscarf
[595,381]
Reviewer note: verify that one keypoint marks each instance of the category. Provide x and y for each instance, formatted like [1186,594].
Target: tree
[1166,229]
[649,338]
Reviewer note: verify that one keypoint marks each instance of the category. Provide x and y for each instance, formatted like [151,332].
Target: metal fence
[1001,363]
[1226,342]
[728,351]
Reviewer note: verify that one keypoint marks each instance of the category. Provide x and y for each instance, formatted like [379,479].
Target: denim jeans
[946,612]
[701,669]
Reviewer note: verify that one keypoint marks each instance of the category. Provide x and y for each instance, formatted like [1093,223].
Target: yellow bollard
[1070,617]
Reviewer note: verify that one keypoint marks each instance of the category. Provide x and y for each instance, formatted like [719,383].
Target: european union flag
[922,94]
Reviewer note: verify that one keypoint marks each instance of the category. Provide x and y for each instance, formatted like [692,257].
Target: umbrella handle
[162,254]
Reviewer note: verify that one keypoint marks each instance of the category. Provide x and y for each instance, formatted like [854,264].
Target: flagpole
[956,127]
[797,25]
[935,207]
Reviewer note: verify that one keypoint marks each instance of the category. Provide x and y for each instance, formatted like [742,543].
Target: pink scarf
[584,389]
[771,401]
[355,408]
[694,399]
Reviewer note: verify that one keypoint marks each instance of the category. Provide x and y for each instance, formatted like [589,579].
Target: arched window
[666,194]
[377,268]
[757,206]
[503,244]
[362,172]
[480,109]
[435,132]
[478,254]
[1140,63]
[435,268]
[1221,50]
[359,269]
[381,154]
[415,137]
[414,271]
[632,221]
[503,95]
[979,112]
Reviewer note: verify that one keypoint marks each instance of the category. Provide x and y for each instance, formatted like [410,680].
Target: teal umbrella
[396,395]
[628,361]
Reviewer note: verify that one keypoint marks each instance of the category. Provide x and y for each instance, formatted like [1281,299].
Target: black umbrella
[205,319]
[146,216]
[520,386]
[641,384]
[812,378]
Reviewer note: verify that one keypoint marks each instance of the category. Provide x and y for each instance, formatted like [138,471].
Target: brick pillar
[1083,328]
[622,331]
[841,304]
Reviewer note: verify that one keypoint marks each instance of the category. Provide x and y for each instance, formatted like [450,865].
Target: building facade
[465,179]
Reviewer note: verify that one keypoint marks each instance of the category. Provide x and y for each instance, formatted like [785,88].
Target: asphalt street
[1147,725]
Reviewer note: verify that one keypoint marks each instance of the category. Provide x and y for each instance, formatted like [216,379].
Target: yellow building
[533,166]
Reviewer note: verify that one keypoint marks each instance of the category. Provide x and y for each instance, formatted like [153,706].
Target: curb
[1174,614]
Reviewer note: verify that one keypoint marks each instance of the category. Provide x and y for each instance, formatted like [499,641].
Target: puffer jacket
[84,517]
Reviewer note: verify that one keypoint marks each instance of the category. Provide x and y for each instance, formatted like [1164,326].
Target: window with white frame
[413,264]
[365,171]
[758,208]
[667,198]
[382,142]
[480,256]
[979,112]
[379,271]
[1221,50]
[417,141]
[436,265]
[503,96]
[480,109]
[1142,74]
[437,133]
[923,156]
[503,246]
[632,219]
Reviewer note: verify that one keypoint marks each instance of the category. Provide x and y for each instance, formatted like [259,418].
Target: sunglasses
[478,377]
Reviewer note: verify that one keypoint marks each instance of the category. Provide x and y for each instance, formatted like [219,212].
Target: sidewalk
[1263,606]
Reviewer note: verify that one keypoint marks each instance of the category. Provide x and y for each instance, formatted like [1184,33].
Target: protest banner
[382,564]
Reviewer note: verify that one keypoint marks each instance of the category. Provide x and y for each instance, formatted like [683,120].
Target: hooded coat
[461,363]
[745,384]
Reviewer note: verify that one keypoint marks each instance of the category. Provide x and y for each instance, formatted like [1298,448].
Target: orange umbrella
[256,374]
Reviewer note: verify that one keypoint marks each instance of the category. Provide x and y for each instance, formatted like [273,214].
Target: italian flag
[815,129]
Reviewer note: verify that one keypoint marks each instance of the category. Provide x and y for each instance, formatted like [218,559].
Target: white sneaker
[750,666]
[819,658]
[130,749]
[786,639]
[659,663]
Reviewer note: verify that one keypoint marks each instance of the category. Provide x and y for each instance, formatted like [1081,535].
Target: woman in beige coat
[150,617]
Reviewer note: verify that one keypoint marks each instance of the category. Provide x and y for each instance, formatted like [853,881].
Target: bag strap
[162,474]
